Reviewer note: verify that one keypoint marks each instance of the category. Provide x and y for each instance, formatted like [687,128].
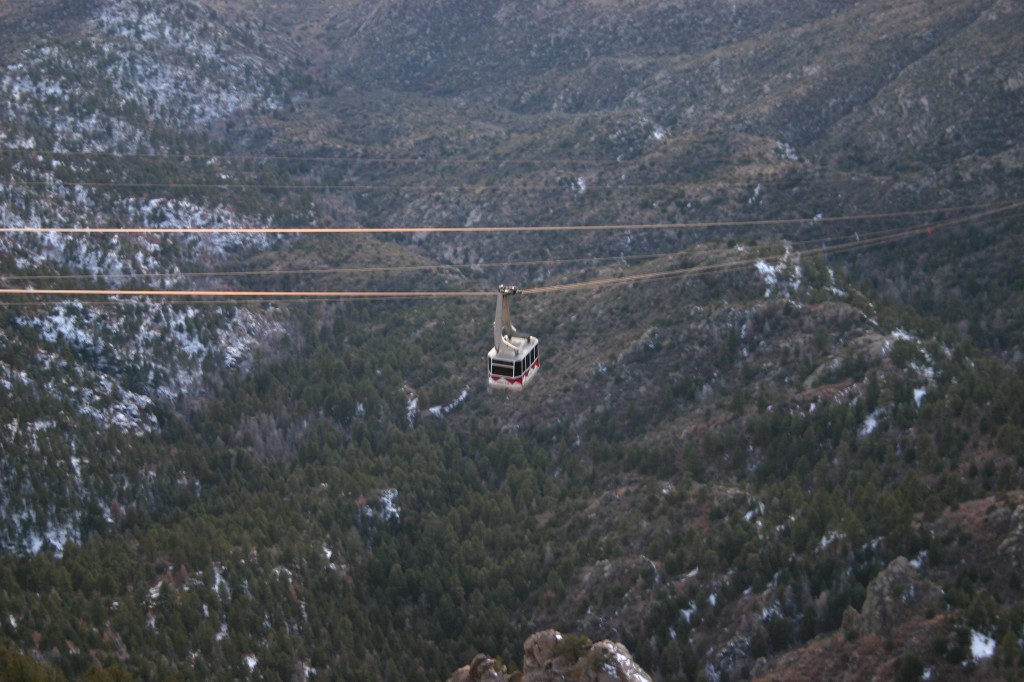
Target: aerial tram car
[512,363]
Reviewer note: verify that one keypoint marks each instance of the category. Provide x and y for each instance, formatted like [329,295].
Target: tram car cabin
[513,362]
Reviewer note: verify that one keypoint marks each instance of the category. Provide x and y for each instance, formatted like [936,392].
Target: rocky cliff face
[549,656]
[1012,546]
[896,594]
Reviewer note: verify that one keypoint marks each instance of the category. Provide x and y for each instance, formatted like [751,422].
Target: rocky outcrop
[1012,546]
[550,656]
[482,669]
[895,594]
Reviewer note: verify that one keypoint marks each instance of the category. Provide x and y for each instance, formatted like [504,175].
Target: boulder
[1012,546]
[550,656]
[895,593]
[482,669]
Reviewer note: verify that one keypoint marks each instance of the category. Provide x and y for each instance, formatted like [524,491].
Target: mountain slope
[787,355]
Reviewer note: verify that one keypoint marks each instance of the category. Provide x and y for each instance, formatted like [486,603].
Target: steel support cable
[361,270]
[300,297]
[693,270]
[556,184]
[895,235]
[500,229]
[855,244]
[98,184]
[233,294]
[372,269]
[357,270]
[208,155]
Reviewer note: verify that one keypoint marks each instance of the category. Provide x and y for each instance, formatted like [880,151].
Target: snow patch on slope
[785,277]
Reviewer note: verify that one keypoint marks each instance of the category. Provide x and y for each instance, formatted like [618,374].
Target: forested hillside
[771,251]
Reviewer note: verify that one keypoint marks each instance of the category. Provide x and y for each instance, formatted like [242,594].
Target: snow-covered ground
[386,506]
[147,60]
[440,410]
[982,646]
[74,116]
[124,357]
[785,277]
[148,65]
